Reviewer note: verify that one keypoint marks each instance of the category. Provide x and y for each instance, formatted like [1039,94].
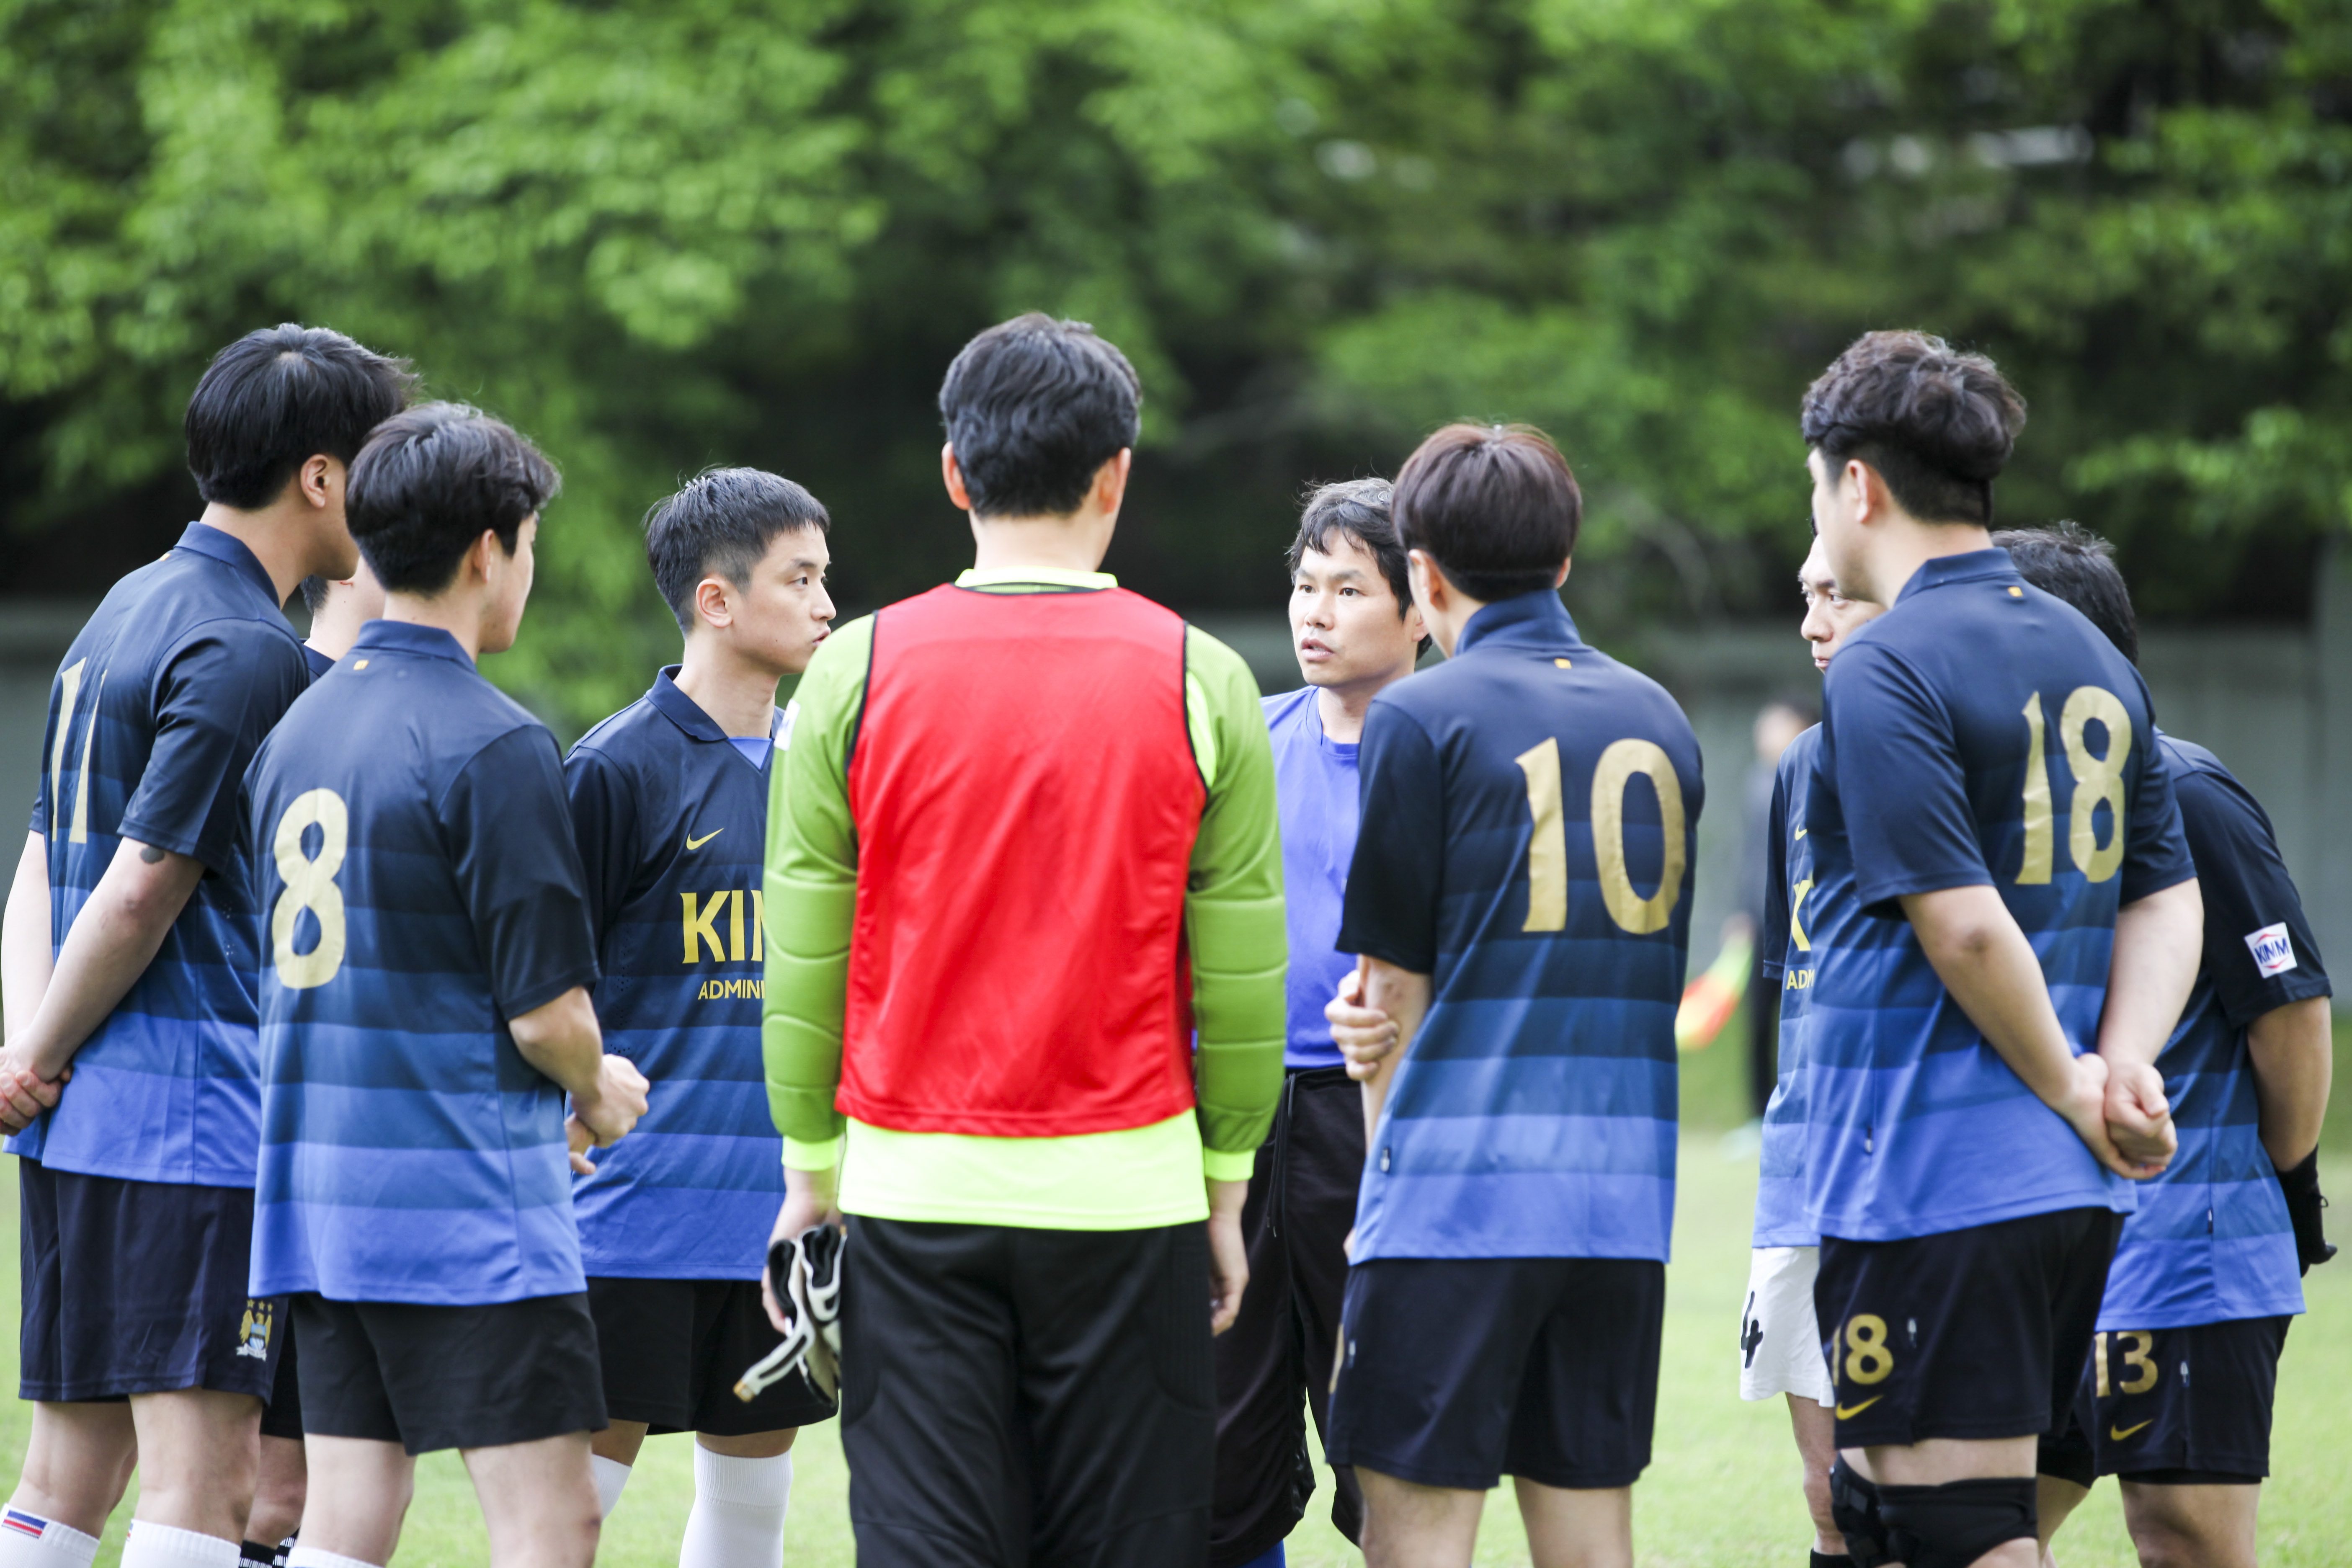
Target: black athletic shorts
[1302,1204]
[2185,1406]
[282,1416]
[1458,1371]
[1974,1333]
[137,1288]
[1012,1395]
[672,1350]
[449,1377]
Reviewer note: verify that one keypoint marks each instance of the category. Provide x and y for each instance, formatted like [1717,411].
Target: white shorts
[1780,1343]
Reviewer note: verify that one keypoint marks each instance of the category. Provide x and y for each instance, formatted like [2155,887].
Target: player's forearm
[2292,1051]
[112,941]
[2159,940]
[25,956]
[1985,962]
[563,1039]
[1404,996]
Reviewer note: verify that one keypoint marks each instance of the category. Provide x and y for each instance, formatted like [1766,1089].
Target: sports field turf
[1722,1493]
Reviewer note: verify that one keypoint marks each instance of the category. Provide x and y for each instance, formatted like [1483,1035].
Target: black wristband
[2305,1207]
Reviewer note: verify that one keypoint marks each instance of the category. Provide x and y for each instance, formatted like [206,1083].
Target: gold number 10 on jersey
[1547,846]
[2097,779]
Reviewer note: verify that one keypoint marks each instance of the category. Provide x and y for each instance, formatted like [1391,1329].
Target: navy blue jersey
[1317,793]
[1791,907]
[672,822]
[1980,732]
[157,708]
[2211,1242]
[319,662]
[419,887]
[1530,810]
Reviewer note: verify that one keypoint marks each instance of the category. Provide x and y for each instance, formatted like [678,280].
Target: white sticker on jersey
[2273,951]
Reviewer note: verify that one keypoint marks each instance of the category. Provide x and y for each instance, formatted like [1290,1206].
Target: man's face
[510,577]
[784,612]
[1344,625]
[1829,616]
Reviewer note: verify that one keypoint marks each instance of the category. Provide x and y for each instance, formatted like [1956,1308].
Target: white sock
[317,1557]
[28,1540]
[167,1546]
[611,1477]
[739,1511]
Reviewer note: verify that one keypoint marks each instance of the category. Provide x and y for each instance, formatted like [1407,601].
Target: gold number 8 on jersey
[310,885]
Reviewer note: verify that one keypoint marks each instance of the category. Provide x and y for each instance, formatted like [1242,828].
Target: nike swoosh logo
[694,842]
[1848,1412]
[2117,1434]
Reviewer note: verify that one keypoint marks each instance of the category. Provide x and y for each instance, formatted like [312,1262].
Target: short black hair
[1796,699]
[1033,406]
[1937,425]
[314,594]
[278,397]
[1494,505]
[2067,561]
[722,520]
[432,480]
[1359,509]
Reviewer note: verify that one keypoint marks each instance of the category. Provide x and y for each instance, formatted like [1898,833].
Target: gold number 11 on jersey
[1547,843]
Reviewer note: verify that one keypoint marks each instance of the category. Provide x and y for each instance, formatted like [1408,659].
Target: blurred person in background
[1356,632]
[1788,713]
[129,953]
[2177,1398]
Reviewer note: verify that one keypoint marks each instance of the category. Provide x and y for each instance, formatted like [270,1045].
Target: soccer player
[130,954]
[1356,632]
[338,608]
[2207,1277]
[2001,880]
[1520,896]
[424,1011]
[669,805]
[1779,1341]
[1021,854]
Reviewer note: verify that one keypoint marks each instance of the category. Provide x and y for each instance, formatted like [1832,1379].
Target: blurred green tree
[657,235]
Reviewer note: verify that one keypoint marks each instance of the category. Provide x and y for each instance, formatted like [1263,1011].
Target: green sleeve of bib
[1233,912]
[811,895]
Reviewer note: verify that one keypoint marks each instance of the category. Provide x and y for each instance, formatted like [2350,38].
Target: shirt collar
[1045,576]
[407,637]
[1526,620]
[230,551]
[681,710]
[1969,566]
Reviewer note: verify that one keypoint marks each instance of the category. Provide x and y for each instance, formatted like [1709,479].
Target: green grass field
[1722,1493]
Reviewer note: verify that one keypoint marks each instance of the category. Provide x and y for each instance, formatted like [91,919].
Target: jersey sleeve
[217,699]
[604,826]
[2157,853]
[1900,780]
[1772,941]
[2258,944]
[811,898]
[508,832]
[1390,908]
[1233,922]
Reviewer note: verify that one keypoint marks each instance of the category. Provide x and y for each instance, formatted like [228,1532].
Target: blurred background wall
[663,234]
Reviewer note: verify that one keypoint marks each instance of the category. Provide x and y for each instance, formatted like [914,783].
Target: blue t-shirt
[1315,790]
[157,708]
[1792,909]
[672,822]
[418,887]
[1530,810]
[2211,1242]
[1980,732]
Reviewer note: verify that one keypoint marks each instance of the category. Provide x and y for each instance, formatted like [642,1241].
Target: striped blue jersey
[1529,816]
[419,887]
[2211,1242]
[1317,792]
[1791,906]
[1980,732]
[158,708]
[672,822]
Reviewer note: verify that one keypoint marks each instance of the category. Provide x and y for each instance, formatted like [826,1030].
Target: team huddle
[1176,1063]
